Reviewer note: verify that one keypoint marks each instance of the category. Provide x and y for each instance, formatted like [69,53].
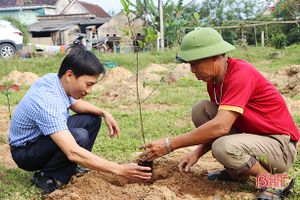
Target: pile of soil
[120,84]
[21,78]
[157,68]
[112,76]
[181,70]
[126,90]
[287,81]
[167,183]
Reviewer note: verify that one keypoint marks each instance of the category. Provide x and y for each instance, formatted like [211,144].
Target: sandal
[46,183]
[221,175]
[264,194]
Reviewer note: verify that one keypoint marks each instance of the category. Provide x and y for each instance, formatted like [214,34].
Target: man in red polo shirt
[246,124]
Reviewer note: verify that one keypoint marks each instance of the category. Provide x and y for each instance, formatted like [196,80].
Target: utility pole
[161,25]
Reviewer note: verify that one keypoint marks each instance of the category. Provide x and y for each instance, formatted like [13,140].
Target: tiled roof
[63,23]
[94,9]
[9,3]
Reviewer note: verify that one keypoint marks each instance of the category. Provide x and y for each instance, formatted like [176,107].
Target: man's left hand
[154,150]
[112,125]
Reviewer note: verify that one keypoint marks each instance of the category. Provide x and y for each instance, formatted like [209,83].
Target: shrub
[279,41]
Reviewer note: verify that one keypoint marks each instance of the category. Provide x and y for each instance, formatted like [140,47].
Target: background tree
[289,10]
[180,19]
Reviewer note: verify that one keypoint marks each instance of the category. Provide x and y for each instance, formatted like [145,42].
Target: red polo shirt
[262,108]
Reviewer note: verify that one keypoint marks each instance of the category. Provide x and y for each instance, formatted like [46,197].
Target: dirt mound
[115,75]
[149,76]
[167,183]
[126,90]
[112,77]
[156,68]
[287,81]
[181,70]
[21,78]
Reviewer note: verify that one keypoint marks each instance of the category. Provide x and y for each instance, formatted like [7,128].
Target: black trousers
[46,156]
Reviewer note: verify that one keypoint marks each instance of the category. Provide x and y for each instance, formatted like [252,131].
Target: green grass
[179,97]
[260,57]
[15,185]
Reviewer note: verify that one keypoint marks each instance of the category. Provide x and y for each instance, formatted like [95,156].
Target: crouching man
[44,137]
[246,123]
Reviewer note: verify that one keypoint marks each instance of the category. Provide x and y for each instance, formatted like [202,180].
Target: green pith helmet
[202,43]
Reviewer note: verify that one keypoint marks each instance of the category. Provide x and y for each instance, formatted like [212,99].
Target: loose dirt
[167,183]
[21,78]
[287,81]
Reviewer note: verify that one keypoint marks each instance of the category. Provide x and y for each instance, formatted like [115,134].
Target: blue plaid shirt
[44,110]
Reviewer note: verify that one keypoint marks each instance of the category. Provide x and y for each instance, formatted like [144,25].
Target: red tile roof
[94,9]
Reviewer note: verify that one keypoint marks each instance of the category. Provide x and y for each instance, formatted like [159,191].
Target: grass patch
[15,185]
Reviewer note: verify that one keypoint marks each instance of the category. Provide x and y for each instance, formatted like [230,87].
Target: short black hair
[81,62]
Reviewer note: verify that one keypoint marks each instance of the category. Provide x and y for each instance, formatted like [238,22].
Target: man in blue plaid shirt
[46,139]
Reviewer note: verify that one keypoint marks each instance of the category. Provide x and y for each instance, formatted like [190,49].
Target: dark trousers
[46,156]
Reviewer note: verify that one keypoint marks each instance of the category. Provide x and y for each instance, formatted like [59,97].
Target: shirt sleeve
[52,118]
[238,90]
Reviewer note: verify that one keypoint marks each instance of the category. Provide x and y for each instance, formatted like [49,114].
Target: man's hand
[154,150]
[111,124]
[188,161]
[134,172]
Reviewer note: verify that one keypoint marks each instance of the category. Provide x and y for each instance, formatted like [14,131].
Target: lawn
[177,97]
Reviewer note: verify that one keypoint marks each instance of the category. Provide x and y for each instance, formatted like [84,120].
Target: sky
[114,5]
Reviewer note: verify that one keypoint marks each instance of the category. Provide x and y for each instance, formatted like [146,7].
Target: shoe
[80,171]
[270,194]
[221,175]
[46,183]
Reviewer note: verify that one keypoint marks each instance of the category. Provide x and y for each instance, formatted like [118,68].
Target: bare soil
[21,78]
[167,183]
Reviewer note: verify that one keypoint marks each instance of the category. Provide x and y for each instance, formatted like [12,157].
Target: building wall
[70,34]
[65,37]
[118,23]
[42,40]
[25,16]
[28,16]
[60,5]
[49,11]
[76,9]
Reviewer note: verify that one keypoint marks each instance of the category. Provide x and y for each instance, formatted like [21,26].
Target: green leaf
[196,15]
[125,6]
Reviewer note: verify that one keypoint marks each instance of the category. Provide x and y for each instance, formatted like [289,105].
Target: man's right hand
[135,172]
[188,161]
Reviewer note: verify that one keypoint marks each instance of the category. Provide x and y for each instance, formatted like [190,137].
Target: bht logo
[271,180]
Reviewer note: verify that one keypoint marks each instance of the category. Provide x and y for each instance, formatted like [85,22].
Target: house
[27,11]
[117,24]
[55,22]
[115,29]
[270,8]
